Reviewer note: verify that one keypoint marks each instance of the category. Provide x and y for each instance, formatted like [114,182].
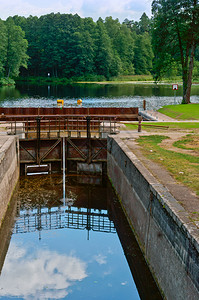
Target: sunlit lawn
[181,112]
[184,167]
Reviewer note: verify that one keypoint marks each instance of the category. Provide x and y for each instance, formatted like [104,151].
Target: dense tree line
[67,45]
[13,48]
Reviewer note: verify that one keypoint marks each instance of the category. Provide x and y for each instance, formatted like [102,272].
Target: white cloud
[100,259]
[124,283]
[131,9]
[45,273]
[117,8]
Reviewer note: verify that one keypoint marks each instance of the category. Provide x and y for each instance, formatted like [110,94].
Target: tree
[144,23]
[175,36]
[122,43]
[31,27]
[16,49]
[104,55]
[143,54]
[3,47]
[80,55]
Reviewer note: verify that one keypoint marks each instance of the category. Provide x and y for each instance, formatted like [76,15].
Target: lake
[94,95]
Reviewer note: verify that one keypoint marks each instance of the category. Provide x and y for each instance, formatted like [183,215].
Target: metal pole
[64,173]
[88,119]
[175,97]
[38,139]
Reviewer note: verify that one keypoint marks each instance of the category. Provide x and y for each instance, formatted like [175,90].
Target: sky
[121,9]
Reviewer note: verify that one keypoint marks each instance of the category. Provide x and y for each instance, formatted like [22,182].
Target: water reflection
[43,208]
[39,274]
[46,263]
[94,95]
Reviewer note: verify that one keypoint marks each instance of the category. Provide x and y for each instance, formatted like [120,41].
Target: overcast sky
[121,9]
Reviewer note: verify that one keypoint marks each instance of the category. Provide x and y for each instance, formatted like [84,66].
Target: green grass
[189,142]
[172,125]
[133,78]
[184,167]
[181,112]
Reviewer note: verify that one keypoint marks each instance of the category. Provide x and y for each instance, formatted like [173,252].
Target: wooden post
[144,104]
[139,124]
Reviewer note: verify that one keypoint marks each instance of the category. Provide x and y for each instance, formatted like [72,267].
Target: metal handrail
[26,125]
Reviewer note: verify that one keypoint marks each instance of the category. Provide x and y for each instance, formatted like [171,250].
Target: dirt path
[173,137]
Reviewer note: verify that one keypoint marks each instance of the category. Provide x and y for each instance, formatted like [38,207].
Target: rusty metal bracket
[27,152]
[51,149]
[76,148]
[103,147]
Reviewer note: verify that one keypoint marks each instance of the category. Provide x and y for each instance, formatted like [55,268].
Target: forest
[65,45]
[71,47]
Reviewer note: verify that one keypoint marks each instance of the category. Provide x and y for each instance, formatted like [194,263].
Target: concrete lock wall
[9,170]
[167,237]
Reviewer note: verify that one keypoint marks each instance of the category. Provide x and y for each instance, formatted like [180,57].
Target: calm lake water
[94,95]
[77,248]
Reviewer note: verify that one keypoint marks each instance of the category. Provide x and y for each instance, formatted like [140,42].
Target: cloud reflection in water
[41,274]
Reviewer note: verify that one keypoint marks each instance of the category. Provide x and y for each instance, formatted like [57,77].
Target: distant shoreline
[64,81]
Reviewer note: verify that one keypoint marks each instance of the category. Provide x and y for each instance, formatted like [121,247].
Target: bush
[6,81]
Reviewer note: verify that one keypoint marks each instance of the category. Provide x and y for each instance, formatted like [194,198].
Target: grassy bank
[183,167]
[181,159]
[181,112]
[178,160]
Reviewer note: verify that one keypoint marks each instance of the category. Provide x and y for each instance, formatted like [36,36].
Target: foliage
[139,27]
[196,70]
[143,54]
[6,81]
[16,49]
[57,80]
[66,45]
[3,46]
[175,36]
[13,49]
